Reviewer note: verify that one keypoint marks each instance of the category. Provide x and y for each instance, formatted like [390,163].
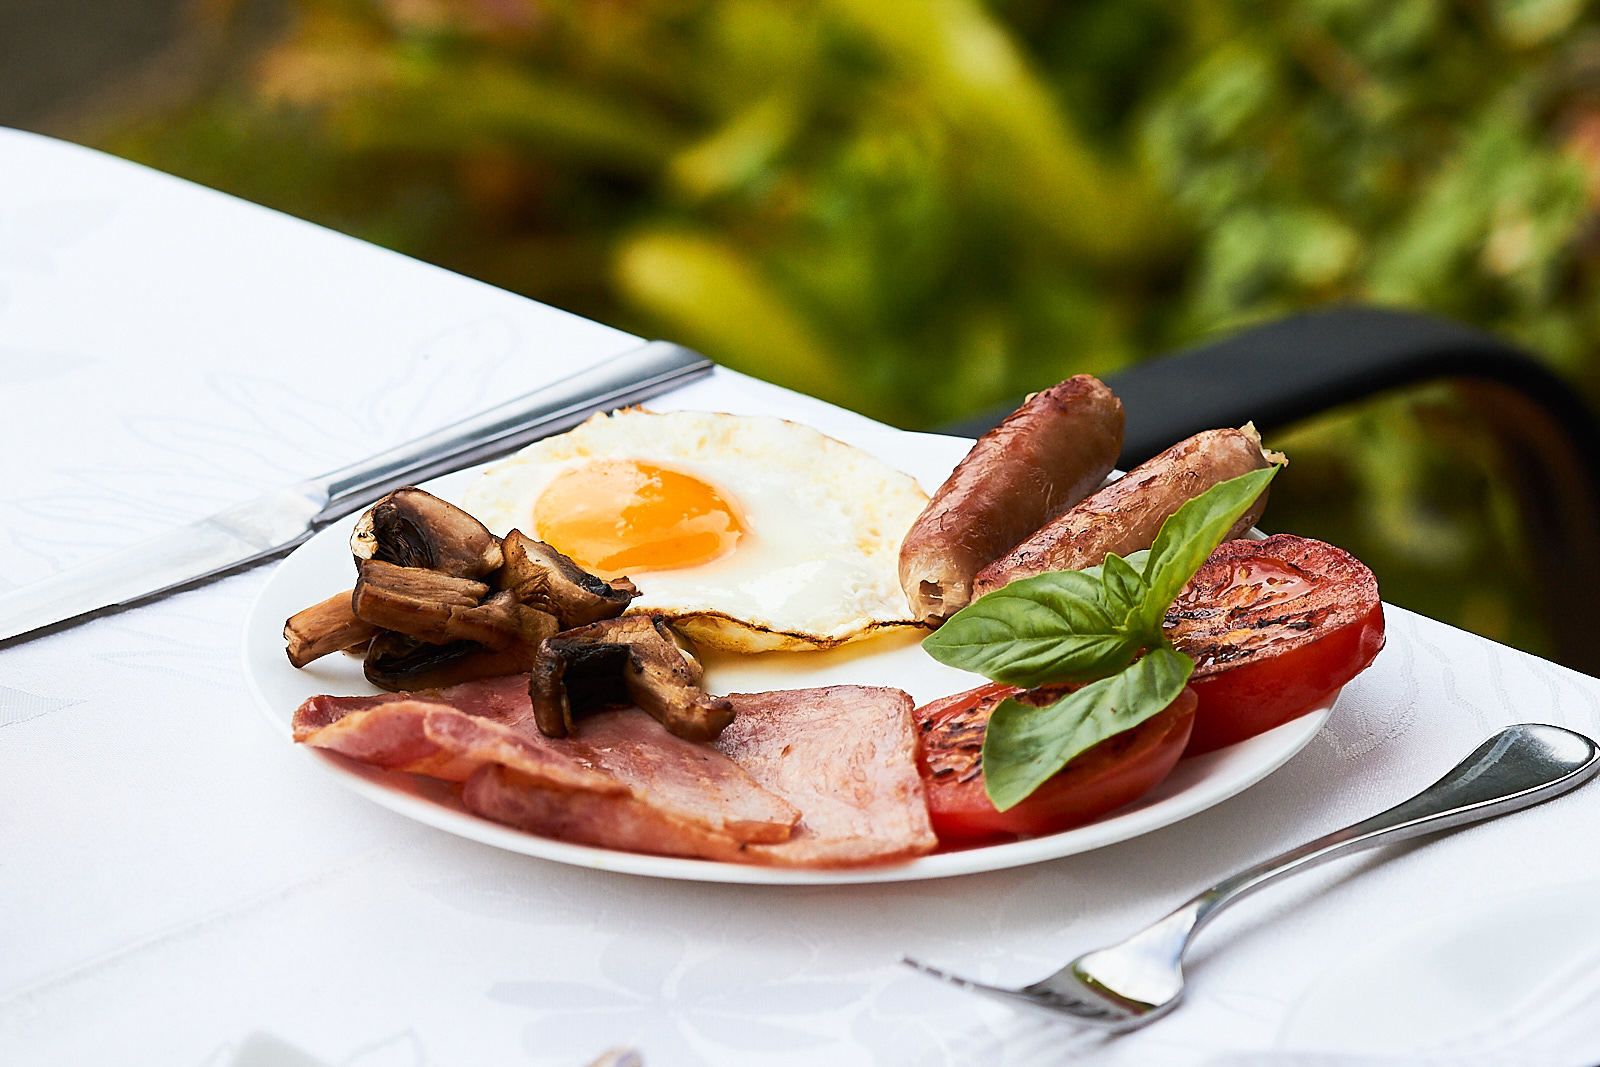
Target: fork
[1133,983]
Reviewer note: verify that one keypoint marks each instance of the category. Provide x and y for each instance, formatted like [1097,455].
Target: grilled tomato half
[1115,772]
[1273,627]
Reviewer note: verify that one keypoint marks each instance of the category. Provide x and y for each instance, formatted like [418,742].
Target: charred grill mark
[1177,615]
[953,745]
[1213,654]
[1253,600]
[958,749]
[1285,622]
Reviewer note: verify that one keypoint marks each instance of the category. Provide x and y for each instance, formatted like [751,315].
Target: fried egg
[749,533]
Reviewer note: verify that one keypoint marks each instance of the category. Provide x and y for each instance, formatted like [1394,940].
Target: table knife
[279,520]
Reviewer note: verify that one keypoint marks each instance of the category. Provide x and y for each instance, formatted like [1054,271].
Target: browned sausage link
[1126,515]
[1046,456]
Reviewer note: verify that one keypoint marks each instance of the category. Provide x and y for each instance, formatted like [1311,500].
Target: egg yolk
[619,517]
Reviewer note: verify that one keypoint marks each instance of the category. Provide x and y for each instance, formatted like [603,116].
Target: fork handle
[1516,768]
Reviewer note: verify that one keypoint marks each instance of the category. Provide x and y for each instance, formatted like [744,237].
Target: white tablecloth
[177,886]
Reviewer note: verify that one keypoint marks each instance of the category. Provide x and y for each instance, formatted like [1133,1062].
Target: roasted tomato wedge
[1115,772]
[1273,627]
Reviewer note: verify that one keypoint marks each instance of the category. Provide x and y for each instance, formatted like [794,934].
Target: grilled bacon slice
[680,798]
[803,778]
[845,755]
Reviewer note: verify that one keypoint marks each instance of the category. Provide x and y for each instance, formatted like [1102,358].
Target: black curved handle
[1283,371]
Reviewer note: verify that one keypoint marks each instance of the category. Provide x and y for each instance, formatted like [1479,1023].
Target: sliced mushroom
[397,662]
[571,678]
[501,621]
[579,670]
[684,709]
[664,680]
[542,577]
[413,528]
[419,603]
[433,607]
[323,628]
[411,600]
[496,637]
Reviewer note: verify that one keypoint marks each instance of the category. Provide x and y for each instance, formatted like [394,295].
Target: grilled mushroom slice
[323,628]
[414,601]
[413,528]
[502,621]
[656,683]
[396,662]
[617,661]
[541,577]
[424,572]
[571,678]
[433,607]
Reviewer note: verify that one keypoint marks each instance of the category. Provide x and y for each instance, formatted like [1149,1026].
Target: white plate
[321,567]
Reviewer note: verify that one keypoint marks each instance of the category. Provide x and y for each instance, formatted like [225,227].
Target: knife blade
[283,518]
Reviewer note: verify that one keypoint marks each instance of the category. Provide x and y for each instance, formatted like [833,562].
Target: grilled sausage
[1045,457]
[1126,515]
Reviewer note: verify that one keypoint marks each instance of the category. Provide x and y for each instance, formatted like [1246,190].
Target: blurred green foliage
[922,209]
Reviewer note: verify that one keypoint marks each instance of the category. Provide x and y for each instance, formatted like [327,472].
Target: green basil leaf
[1138,560]
[1192,533]
[1049,628]
[1125,588]
[1024,746]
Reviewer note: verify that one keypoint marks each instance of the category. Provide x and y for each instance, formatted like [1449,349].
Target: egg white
[818,562]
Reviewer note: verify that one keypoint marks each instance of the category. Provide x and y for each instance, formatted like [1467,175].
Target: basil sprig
[1025,745]
[1101,625]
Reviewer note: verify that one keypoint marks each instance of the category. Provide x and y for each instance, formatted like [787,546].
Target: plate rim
[398,791]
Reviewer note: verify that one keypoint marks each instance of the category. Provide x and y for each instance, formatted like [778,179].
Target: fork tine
[965,983]
[1038,996]
[1090,1009]
[953,979]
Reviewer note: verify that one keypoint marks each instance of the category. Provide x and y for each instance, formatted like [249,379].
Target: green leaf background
[920,210]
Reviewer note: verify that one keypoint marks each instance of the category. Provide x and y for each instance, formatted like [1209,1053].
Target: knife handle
[635,375]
